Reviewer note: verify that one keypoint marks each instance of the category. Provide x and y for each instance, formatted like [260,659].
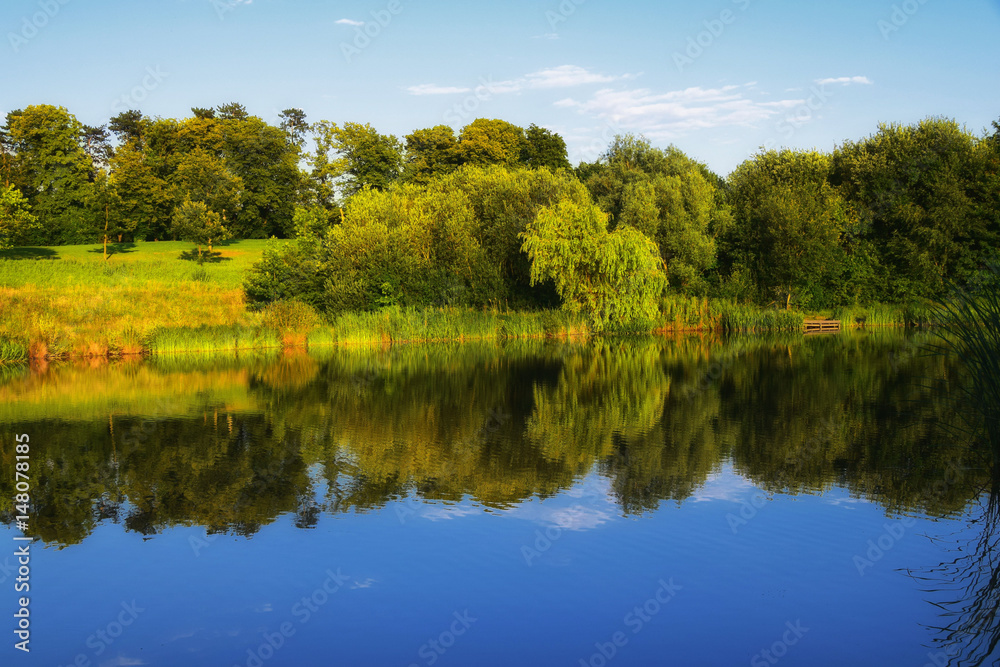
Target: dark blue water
[639,502]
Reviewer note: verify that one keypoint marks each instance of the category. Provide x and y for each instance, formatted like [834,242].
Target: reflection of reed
[967,592]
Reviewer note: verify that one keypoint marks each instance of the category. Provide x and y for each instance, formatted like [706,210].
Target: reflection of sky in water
[404,579]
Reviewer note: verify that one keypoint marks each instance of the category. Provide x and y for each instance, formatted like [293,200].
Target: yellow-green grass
[397,325]
[70,301]
[681,313]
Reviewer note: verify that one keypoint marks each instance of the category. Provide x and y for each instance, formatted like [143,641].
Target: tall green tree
[430,152]
[53,172]
[294,125]
[144,200]
[671,198]
[129,126]
[489,141]
[918,192]
[267,165]
[203,177]
[352,157]
[543,148]
[789,223]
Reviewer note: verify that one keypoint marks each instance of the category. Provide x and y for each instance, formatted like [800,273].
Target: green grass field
[163,262]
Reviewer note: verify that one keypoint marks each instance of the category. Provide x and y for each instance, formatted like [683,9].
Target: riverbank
[156,299]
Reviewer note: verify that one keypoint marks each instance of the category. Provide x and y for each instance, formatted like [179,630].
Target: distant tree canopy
[895,216]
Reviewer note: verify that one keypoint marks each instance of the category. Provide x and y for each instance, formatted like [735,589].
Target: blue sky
[717,79]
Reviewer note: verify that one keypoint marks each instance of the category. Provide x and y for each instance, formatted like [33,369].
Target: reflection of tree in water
[494,424]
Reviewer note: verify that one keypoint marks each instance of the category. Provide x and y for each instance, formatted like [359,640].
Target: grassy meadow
[157,298]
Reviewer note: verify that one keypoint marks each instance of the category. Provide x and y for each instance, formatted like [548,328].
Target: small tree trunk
[788,300]
[199,250]
[105,231]
[210,246]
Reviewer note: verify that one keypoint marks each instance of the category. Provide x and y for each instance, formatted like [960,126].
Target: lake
[634,501]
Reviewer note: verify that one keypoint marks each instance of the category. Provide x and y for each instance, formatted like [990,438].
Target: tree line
[495,214]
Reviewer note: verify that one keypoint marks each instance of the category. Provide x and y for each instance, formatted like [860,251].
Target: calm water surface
[756,501]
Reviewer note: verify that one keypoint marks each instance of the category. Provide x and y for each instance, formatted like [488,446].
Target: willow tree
[616,278]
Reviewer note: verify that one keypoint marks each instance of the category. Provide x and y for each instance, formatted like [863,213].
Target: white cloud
[349,22]
[548,35]
[431,89]
[578,517]
[564,76]
[673,113]
[448,512]
[845,80]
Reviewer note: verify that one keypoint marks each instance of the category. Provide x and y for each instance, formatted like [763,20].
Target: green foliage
[290,316]
[486,142]
[285,271]
[194,221]
[266,164]
[452,242]
[615,278]
[17,224]
[430,153]
[361,157]
[203,177]
[790,224]
[668,197]
[543,148]
[504,202]
[53,172]
[405,246]
[923,201]
[145,201]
